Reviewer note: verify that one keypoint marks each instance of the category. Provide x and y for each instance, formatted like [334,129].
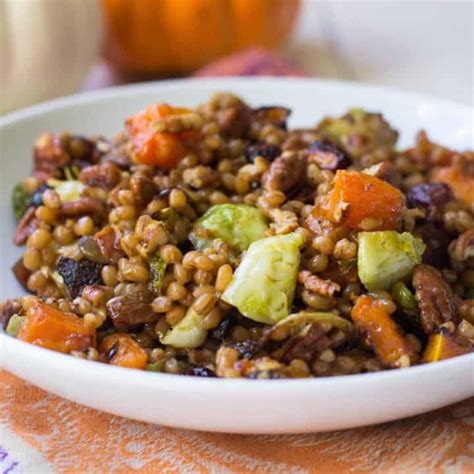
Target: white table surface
[424,46]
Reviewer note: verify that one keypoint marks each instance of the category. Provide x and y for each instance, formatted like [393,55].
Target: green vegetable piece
[14,325]
[386,257]
[404,298]
[158,366]
[157,271]
[264,283]
[238,225]
[188,333]
[470,293]
[20,201]
[304,317]
[68,191]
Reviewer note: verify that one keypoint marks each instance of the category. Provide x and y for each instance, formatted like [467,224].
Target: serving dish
[232,405]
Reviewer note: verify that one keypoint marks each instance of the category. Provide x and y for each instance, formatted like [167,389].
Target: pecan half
[434,297]
[106,175]
[49,156]
[313,283]
[21,273]
[286,172]
[27,225]
[306,345]
[109,244]
[84,205]
[384,170]
[234,121]
[462,249]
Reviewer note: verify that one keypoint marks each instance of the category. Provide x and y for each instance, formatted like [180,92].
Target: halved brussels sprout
[264,283]
[238,225]
[304,317]
[386,257]
[14,325]
[188,333]
[68,191]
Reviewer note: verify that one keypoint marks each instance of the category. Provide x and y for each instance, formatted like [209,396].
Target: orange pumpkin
[177,36]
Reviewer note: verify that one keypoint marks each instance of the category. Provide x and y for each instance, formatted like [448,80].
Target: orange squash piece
[48,327]
[442,345]
[459,179]
[128,352]
[364,202]
[384,335]
[162,149]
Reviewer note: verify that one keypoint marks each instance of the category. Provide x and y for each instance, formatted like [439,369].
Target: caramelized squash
[460,178]
[383,334]
[363,202]
[48,327]
[122,350]
[442,345]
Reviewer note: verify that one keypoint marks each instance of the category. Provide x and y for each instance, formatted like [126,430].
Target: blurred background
[50,48]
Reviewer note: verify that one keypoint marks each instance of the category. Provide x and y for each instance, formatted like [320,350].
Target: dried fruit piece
[48,327]
[265,150]
[131,309]
[434,297]
[76,275]
[430,196]
[327,156]
[436,241]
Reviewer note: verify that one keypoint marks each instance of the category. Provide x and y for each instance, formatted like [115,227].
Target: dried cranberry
[430,196]
[265,150]
[247,349]
[327,156]
[436,241]
[223,329]
[201,372]
[77,275]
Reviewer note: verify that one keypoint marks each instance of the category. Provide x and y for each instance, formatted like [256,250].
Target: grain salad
[216,242]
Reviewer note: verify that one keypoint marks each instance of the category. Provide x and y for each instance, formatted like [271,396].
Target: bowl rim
[135,376]
[85,97]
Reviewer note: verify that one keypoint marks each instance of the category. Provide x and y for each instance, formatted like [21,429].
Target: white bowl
[235,405]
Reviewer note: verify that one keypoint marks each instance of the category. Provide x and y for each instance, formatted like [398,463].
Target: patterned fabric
[40,432]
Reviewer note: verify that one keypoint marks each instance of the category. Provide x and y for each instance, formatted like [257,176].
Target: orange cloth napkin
[40,432]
